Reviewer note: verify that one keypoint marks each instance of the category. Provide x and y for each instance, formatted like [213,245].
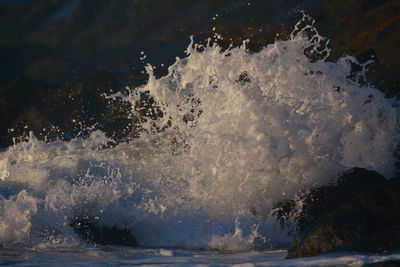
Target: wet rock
[381,242]
[91,232]
[111,35]
[51,111]
[320,201]
[80,106]
[353,184]
[358,213]
[349,228]
[54,70]
[16,56]
[366,29]
[17,107]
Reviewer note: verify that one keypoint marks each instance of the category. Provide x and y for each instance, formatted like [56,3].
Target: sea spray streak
[239,131]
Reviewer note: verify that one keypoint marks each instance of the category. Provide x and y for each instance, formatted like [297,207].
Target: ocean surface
[117,256]
[229,134]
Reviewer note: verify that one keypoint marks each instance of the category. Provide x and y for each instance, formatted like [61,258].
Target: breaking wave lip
[239,132]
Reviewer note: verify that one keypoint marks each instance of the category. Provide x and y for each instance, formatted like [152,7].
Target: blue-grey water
[117,256]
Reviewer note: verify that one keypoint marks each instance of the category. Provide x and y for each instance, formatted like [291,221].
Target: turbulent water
[235,133]
[166,257]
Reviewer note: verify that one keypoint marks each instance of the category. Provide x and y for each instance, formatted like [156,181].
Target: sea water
[114,256]
[230,134]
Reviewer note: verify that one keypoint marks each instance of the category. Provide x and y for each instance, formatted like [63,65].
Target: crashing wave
[235,132]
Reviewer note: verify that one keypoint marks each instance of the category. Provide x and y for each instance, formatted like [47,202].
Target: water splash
[237,241]
[229,134]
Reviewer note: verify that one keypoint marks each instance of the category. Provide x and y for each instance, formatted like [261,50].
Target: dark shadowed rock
[320,201]
[18,102]
[349,229]
[111,34]
[383,241]
[51,111]
[81,106]
[55,70]
[359,212]
[367,29]
[355,182]
[91,232]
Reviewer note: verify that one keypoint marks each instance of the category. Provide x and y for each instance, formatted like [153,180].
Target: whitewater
[228,134]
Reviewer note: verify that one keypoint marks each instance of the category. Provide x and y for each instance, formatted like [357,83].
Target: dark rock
[91,232]
[320,201]
[355,184]
[359,212]
[80,106]
[17,107]
[52,112]
[54,70]
[110,35]
[16,57]
[348,229]
[380,242]
[366,29]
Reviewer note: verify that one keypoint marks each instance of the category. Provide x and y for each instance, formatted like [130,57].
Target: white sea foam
[240,131]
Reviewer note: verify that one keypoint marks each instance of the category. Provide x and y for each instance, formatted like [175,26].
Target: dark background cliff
[59,56]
